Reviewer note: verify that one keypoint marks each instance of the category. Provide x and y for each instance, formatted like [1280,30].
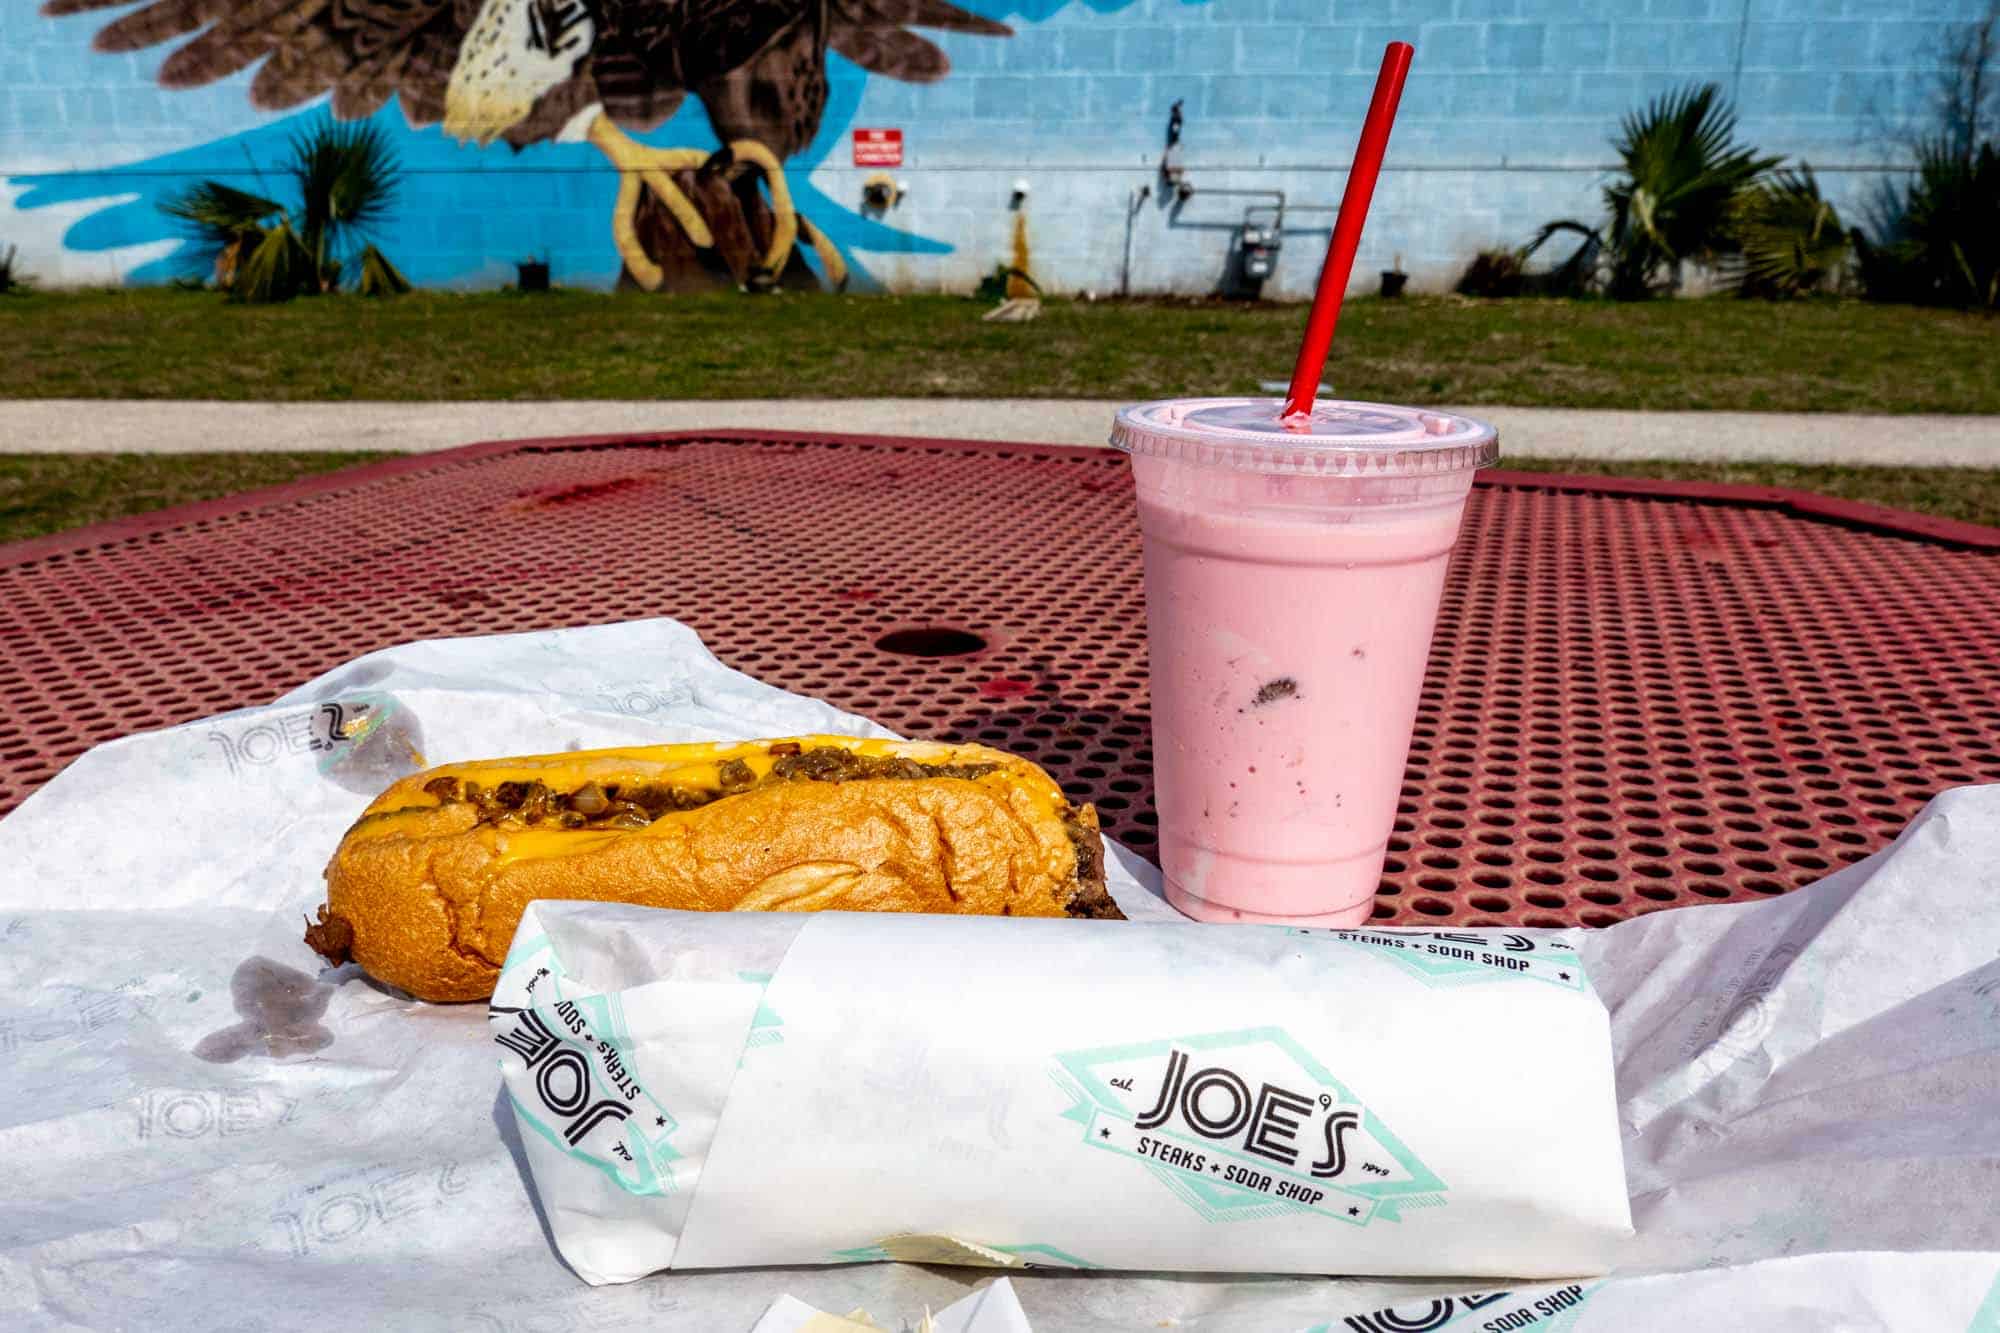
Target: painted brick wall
[1505,124]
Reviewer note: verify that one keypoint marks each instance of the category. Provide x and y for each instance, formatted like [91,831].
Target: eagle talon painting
[602,73]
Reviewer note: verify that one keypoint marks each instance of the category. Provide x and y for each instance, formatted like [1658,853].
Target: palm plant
[1937,241]
[346,180]
[1790,237]
[1681,170]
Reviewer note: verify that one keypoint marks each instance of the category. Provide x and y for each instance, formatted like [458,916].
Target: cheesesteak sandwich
[425,890]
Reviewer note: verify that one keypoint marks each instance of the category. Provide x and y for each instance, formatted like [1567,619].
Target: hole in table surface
[937,641]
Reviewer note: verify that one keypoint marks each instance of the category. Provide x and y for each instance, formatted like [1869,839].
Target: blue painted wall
[1505,124]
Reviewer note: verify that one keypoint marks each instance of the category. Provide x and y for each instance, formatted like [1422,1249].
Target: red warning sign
[878,148]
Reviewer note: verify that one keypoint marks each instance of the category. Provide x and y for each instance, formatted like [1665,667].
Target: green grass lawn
[1971,495]
[42,493]
[1711,354]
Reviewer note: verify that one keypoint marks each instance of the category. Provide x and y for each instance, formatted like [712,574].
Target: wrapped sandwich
[703,1090]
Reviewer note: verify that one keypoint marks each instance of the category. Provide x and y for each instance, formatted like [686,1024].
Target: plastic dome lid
[1337,438]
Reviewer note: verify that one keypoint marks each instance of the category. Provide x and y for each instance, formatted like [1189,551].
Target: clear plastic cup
[1293,570]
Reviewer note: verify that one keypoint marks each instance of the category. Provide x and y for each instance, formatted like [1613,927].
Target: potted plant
[1394,278]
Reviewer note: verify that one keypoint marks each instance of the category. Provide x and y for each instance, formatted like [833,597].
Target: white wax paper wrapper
[201,1131]
[719,1090]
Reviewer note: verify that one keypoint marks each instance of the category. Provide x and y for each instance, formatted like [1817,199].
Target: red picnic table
[1641,695]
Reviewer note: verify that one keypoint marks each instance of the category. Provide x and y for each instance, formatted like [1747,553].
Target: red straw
[1347,229]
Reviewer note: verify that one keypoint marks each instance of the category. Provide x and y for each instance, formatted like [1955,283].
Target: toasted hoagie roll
[425,890]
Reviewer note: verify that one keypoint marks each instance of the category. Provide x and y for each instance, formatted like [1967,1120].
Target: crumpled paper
[992,1309]
[202,1131]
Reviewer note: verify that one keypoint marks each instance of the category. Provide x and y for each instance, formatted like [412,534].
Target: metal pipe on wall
[1132,201]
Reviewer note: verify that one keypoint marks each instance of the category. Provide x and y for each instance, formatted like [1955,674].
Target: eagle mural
[525,72]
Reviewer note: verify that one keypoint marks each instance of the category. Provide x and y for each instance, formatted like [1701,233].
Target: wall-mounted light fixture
[881,192]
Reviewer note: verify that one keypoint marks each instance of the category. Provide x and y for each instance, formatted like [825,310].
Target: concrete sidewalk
[128,426]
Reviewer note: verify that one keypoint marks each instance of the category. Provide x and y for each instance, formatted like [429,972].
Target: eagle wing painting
[533,71]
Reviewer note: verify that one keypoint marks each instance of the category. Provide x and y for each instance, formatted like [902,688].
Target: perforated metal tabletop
[1639,697]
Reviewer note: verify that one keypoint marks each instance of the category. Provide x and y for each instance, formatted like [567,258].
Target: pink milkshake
[1292,582]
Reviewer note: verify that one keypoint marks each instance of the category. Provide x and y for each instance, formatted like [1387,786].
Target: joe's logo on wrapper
[363,742]
[580,1092]
[570,1065]
[562,1074]
[1547,1310]
[1215,1103]
[1244,1125]
[1443,958]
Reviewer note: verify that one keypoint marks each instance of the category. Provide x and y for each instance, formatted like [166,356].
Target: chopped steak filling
[1091,898]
